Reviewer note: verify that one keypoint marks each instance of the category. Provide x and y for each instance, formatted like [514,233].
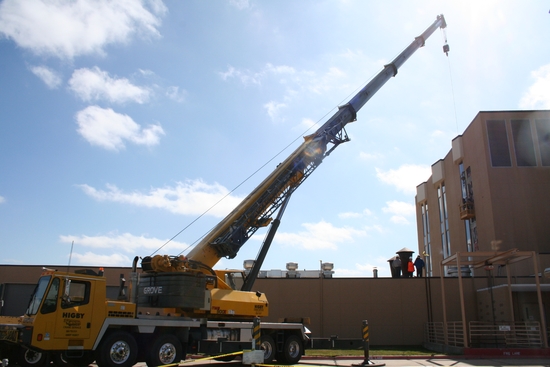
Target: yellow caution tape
[203,359]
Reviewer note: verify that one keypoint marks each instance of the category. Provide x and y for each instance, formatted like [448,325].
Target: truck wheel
[267,344]
[166,349]
[292,350]
[119,349]
[31,358]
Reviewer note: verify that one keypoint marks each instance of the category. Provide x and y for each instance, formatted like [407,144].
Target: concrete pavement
[459,361]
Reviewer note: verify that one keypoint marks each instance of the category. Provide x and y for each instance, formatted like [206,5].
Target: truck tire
[31,358]
[166,349]
[292,350]
[119,349]
[267,344]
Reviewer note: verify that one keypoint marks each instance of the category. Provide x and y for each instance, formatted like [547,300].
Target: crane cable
[317,123]
[446,50]
[230,192]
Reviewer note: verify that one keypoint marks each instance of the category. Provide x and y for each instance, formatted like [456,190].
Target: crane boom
[189,284]
[256,210]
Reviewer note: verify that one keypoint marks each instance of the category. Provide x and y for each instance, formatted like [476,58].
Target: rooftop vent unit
[326,270]
[292,273]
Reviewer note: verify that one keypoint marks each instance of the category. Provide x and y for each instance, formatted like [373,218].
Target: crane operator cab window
[234,280]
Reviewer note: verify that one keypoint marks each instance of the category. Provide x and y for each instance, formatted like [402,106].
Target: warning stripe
[203,359]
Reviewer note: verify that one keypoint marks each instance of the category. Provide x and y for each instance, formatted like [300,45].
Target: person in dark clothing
[419,265]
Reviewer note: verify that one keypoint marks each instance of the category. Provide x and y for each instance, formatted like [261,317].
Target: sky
[124,122]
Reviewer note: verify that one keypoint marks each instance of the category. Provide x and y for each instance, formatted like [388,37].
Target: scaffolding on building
[469,333]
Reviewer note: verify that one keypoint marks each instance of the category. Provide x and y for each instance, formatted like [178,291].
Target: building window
[467,197]
[444,221]
[498,143]
[427,242]
[523,143]
[543,138]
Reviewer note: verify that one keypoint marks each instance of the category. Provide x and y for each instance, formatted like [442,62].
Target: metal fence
[511,334]
[435,333]
[486,335]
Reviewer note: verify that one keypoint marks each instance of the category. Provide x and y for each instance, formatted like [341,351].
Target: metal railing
[486,335]
[435,333]
[455,333]
[503,334]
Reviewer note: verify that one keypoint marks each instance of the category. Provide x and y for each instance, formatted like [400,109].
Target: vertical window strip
[446,216]
[524,146]
[498,143]
[464,189]
[442,214]
[427,244]
[543,139]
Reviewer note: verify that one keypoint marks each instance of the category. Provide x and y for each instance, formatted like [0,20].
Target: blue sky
[123,121]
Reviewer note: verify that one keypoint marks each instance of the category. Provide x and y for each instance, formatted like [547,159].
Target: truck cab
[65,314]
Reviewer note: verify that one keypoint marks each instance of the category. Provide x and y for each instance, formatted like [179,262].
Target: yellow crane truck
[180,304]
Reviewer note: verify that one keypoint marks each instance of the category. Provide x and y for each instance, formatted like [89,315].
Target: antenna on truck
[70,256]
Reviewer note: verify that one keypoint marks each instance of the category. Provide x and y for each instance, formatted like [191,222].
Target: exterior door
[75,312]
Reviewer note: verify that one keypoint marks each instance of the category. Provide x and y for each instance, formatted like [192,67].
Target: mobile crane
[70,320]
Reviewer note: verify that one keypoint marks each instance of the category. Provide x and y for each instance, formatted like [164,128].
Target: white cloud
[321,235]
[366,269]
[2,200]
[437,134]
[346,215]
[537,96]
[399,219]
[286,75]
[67,29]
[175,94]
[240,4]
[95,84]
[125,242]
[273,109]
[48,76]
[192,197]
[93,259]
[400,211]
[399,207]
[370,156]
[109,129]
[406,177]
[246,77]
[278,70]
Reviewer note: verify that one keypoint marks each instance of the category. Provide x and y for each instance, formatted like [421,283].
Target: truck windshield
[38,295]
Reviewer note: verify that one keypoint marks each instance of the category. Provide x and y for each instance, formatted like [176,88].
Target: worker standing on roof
[397,266]
[410,268]
[419,265]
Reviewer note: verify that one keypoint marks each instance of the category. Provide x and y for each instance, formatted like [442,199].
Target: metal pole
[365,337]
[462,307]
[366,340]
[541,306]
[442,278]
